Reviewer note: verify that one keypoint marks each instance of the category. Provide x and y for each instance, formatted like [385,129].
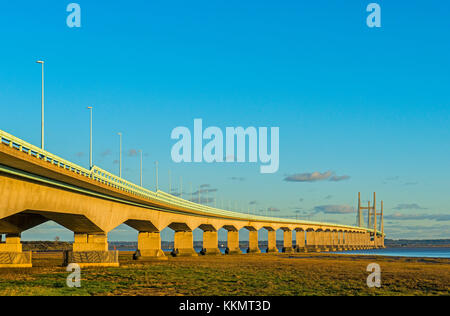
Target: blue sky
[370,104]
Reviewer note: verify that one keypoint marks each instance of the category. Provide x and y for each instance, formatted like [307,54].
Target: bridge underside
[28,203]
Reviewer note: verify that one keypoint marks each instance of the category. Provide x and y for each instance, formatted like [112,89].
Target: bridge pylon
[376,240]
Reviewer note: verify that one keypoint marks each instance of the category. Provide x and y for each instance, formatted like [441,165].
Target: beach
[239,275]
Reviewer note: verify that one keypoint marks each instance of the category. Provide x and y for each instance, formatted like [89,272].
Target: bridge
[37,186]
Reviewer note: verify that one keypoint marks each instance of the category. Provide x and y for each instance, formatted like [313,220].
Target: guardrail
[116,182]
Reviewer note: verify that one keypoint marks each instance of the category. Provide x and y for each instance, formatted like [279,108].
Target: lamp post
[120,155]
[140,151]
[90,143]
[156,173]
[170,182]
[42,105]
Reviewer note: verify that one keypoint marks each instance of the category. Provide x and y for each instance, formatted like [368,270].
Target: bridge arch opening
[123,238]
[198,239]
[167,239]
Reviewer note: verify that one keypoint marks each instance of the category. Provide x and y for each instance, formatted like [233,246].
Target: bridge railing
[114,181]
[17,143]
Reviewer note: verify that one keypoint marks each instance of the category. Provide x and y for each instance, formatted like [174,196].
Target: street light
[170,182]
[42,105]
[156,174]
[90,146]
[120,155]
[141,166]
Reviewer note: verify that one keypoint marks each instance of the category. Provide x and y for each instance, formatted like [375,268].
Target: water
[425,252]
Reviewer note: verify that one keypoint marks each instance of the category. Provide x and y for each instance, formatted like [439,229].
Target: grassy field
[252,275]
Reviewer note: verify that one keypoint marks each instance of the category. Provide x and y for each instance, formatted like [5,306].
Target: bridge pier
[331,241]
[328,242]
[11,254]
[287,241]
[91,250]
[253,241]
[300,241]
[361,240]
[367,240]
[184,244]
[210,243]
[149,246]
[271,240]
[311,241]
[321,241]
[233,243]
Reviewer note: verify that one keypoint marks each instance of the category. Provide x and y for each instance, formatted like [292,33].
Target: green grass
[253,275]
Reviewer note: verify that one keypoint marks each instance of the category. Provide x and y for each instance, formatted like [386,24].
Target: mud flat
[260,275]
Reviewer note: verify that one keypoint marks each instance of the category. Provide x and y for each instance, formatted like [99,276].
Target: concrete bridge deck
[37,186]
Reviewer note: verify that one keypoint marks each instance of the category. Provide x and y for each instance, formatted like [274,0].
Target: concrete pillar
[12,244]
[91,250]
[253,242]
[329,242]
[320,240]
[210,243]
[323,241]
[272,241]
[300,241]
[334,241]
[233,243]
[149,246]
[90,242]
[287,241]
[311,241]
[184,244]
[351,239]
[11,255]
[339,244]
[346,240]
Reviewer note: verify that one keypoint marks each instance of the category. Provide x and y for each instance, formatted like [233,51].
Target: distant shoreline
[64,245]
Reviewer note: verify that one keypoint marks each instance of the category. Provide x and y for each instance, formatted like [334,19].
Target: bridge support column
[253,242]
[11,255]
[327,243]
[184,244]
[339,244]
[367,240]
[287,241]
[272,241]
[332,241]
[300,241]
[311,241]
[361,241]
[357,244]
[345,239]
[91,250]
[320,241]
[149,246]
[233,243]
[352,240]
[210,243]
